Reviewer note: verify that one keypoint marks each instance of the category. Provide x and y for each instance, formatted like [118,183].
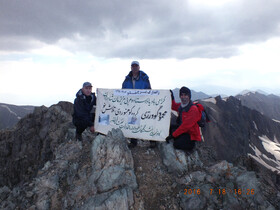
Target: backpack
[204,116]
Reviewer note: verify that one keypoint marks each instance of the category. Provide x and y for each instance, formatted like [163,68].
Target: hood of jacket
[82,96]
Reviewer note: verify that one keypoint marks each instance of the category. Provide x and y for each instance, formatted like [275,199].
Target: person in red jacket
[186,132]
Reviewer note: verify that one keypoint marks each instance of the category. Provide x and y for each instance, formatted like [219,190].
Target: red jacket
[189,122]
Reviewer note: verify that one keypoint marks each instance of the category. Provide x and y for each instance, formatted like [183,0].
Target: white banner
[140,114]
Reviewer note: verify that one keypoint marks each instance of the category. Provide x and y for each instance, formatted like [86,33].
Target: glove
[168,138]
[172,96]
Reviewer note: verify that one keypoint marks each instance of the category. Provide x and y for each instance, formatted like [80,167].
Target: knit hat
[185,90]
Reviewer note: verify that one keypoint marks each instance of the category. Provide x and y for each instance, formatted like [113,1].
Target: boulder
[178,162]
[112,172]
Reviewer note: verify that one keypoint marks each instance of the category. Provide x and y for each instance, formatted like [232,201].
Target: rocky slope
[45,168]
[26,148]
[236,130]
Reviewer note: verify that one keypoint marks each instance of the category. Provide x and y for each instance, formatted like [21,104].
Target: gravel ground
[157,188]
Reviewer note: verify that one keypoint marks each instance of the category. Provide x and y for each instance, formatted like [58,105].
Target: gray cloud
[143,29]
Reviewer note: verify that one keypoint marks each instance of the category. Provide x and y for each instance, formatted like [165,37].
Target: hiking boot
[153,144]
[133,143]
[79,137]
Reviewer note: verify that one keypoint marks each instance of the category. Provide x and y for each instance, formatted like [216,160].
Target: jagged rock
[174,160]
[113,172]
[32,142]
[69,180]
[192,201]
[177,161]
[198,175]
[118,199]
[4,192]
[233,188]
[59,175]
[249,184]
[221,167]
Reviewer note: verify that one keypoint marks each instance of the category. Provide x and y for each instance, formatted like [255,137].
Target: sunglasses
[134,65]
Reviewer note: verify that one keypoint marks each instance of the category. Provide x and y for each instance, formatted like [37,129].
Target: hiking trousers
[183,141]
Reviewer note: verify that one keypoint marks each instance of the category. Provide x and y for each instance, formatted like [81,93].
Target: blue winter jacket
[142,82]
[82,109]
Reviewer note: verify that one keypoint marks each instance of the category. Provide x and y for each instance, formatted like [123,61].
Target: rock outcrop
[213,184]
[26,148]
[102,173]
[113,177]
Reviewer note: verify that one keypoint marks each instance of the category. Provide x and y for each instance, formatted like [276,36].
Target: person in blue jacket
[137,79]
[83,116]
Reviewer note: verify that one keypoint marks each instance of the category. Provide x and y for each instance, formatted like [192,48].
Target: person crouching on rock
[186,131]
[83,116]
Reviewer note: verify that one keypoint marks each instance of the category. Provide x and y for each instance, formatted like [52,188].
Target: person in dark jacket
[186,132]
[83,116]
[137,79]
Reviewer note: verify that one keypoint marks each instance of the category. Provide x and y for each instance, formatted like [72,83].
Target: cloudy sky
[49,48]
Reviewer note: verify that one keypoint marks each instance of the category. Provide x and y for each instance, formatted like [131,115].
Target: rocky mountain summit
[43,167]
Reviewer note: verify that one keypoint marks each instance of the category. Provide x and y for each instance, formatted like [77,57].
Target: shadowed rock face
[99,173]
[32,142]
[236,130]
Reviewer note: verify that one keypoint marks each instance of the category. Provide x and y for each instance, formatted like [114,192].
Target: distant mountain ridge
[268,105]
[11,114]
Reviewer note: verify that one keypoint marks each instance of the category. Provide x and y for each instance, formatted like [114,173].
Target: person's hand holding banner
[172,95]
[168,138]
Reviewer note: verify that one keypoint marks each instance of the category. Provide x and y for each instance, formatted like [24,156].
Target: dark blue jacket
[142,82]
[82,107]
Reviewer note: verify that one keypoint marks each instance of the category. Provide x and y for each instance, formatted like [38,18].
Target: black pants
[81,125]
[183,141]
